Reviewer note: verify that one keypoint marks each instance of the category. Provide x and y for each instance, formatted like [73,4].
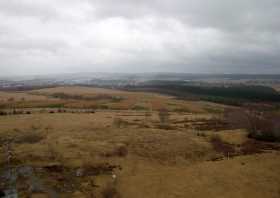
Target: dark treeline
[234,94]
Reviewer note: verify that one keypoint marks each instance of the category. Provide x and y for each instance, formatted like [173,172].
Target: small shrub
[119,151]
[147,115]
[34,127]
[201,134]
[163,115]
[182,110]
[138,107]
[53,154]
[88,168]
[17,112]
[103,106]
[3,113]
[61,111]
[166,127]
[11,99]
[29,138]
[110,191]
[118,122]
[122,151]
[54,167]
[222,147]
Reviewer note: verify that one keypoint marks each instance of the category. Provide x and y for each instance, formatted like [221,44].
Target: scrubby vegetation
[264,126]
[260,125]
[222,147]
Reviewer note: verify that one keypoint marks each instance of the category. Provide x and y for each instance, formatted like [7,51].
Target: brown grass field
[91,142]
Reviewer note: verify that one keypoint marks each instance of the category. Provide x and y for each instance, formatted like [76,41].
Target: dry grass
[234,137]
[44,98]
[29,138]
[20,96]
[254,176]
[147,161]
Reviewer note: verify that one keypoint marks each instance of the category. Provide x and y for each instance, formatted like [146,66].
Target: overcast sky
[191,36]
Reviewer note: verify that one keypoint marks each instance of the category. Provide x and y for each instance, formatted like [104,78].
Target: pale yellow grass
[20,96]
[235,137]
[94,135]
[255,176]
[159,163]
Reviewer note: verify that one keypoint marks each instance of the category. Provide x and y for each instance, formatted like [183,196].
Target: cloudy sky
[191,36]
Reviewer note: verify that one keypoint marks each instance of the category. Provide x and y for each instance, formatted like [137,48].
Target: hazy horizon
[94,74]
[48,37]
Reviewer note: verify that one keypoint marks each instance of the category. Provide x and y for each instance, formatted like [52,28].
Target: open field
[92,142]
[96,98]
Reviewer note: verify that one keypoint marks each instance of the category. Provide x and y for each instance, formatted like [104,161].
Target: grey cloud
[131,35]
[220,14]
[28,8]
[30,44]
